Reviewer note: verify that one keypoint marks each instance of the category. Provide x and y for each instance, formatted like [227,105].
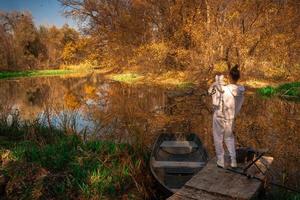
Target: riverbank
[38,162]
[172,78]
[169,79]
[181,79]
[287,90]
[36,73]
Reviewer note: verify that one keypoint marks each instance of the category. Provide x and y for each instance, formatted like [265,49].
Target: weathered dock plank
[190,193]
[213,183]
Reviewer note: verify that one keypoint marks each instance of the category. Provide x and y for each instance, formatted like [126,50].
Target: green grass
[185,85]
[127,77]
[85,164]
[267,91]
[35,73]
[48,164]
[287,90]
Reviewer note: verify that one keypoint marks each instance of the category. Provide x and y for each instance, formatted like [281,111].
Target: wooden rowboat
[174,160]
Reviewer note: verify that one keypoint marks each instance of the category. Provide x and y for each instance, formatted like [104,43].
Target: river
[100,108]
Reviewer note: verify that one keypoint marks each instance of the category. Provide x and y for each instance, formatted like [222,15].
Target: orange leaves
[71,101]
[89,90]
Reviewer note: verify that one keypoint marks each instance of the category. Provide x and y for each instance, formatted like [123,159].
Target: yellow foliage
[221,67]
[183,56]
[68,51]
[79,51]
[275,72]
[6,156]
[152,54]
[71,101]
[89,90]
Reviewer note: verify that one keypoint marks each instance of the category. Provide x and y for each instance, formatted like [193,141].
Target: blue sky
[46,12]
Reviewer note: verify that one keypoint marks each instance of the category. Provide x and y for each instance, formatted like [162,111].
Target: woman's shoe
[220,164]
[233,164]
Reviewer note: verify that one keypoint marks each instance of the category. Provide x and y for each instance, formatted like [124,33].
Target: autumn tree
[56,39]
[198,34]
[251,32]
[76,52]
[24,46]
[6,50]
[21,40]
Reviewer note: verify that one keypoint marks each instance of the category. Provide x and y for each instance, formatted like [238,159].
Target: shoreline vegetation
[177,79]
[38,162]
[289,91]
[37,73]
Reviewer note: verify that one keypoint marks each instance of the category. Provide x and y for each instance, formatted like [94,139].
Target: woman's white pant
[223,130]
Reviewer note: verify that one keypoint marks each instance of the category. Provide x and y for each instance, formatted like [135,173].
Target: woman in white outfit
[227,102]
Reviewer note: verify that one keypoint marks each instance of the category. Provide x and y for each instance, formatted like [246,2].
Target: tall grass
[44,163]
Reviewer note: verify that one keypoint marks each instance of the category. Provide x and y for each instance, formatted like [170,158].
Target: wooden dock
[213,183]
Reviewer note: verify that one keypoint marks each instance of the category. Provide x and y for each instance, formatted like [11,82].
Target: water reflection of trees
[263,123]
[103,109]
[273,124]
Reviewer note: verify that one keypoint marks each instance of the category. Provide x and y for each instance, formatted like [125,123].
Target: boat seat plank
[178,144]
[181,170]
[175,160]
[166,164]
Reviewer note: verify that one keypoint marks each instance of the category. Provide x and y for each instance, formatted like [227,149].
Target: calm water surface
[100,108]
